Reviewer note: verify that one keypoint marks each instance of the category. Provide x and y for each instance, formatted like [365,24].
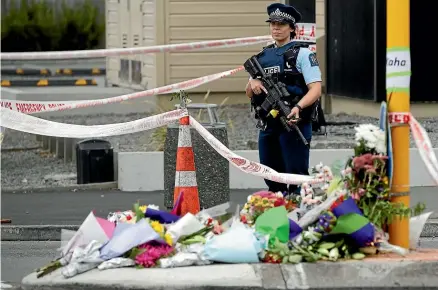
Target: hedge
[37,26]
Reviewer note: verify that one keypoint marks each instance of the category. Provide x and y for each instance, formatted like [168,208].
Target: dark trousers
[284,152]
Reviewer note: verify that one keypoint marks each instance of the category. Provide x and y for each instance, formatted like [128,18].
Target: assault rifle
[273,102]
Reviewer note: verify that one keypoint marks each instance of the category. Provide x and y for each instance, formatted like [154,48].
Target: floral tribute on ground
[343,217]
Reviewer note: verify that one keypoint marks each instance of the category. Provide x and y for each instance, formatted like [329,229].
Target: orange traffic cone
[185,176]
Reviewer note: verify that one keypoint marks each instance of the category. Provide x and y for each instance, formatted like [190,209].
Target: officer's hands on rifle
[294,115]
[257,87]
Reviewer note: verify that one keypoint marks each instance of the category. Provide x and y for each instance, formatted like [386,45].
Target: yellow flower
[168,239]
[259,203]
[385,180]
[159,228]
[143,208]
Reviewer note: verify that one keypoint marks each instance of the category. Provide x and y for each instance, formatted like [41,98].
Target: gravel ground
[24,165]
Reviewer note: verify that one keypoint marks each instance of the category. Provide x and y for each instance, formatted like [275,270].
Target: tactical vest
[280,63]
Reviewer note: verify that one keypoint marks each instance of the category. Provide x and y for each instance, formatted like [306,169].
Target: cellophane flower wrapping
[127,236]
[416,226]
[186,255]
[236,245]
[187,225]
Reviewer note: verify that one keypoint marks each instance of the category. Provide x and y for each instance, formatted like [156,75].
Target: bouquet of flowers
[261,201]
[366,177]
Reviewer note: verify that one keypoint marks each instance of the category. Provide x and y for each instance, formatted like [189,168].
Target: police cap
[279,12]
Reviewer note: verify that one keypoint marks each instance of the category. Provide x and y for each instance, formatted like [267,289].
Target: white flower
[249,198]
[320,175]
[318,198]
[319,167]
[372,136]
[303,192]
[305,185]
[308,191]
[279,194]
[153,206]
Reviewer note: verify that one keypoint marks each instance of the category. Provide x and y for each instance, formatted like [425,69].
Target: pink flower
[361,192]
[264,193]
[370,169]
[153,252]
[355,196]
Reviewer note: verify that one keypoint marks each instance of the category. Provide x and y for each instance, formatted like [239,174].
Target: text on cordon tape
[30,124]
[31,107]
[399,118]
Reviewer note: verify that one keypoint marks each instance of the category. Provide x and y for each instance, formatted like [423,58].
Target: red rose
[279,202]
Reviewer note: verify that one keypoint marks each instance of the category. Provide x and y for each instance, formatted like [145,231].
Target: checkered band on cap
[278,13]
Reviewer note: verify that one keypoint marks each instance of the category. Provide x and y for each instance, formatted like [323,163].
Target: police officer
[287,60]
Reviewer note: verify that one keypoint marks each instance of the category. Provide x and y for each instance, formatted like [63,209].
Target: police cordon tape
[425,148]
[422,140]
[30,124]
[251,167]
[25,123]
[31,107]
[305,32]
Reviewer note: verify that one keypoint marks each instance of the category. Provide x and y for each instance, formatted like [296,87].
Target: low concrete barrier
[143,171]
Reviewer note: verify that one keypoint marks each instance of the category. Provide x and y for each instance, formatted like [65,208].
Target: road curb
[94,186]
[34,232]
[48,83]
[53,232]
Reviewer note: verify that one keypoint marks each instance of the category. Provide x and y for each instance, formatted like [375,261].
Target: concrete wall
[131,24]
[113,40]
[143,171]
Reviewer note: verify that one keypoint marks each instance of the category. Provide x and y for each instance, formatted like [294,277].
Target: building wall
[131,24]
[184,21]
[191,21]
[148,39]
[320,36]
[113,40]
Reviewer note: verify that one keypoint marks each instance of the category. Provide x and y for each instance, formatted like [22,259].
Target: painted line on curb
[26,72]
[80,71]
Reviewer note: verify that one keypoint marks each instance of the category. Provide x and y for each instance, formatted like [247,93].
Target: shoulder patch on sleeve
[313,60]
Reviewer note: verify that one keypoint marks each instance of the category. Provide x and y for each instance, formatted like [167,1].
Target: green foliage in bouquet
[367,181]
[37,26]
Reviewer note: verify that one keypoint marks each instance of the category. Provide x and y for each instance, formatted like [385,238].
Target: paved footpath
[418,271]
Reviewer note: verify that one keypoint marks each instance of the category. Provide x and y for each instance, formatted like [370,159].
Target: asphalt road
[70,208]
